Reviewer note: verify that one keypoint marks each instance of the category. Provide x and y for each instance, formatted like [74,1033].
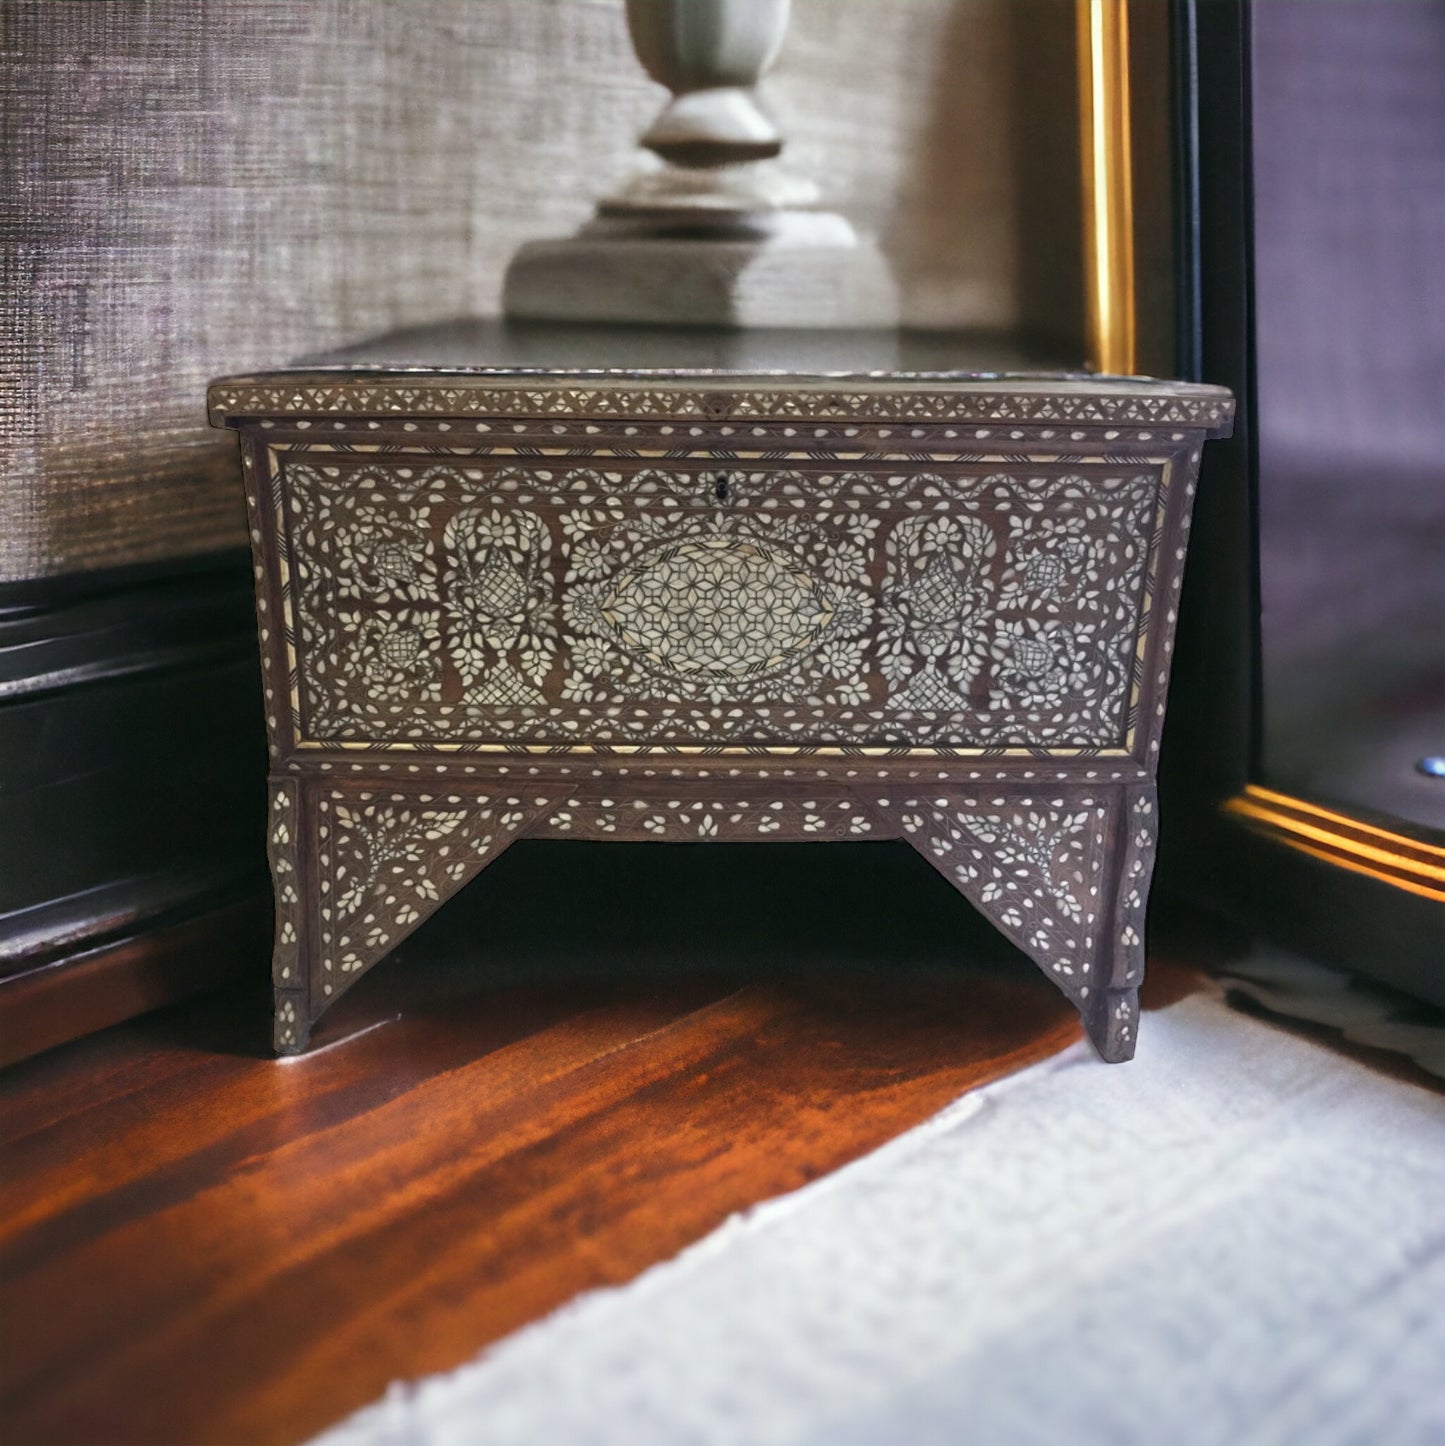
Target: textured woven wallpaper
[193,189]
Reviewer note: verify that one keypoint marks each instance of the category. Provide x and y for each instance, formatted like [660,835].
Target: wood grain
[201,1244]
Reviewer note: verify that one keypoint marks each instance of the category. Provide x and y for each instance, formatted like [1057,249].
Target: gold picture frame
[1110,283]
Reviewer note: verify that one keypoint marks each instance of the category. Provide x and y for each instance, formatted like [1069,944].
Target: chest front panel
[693,601]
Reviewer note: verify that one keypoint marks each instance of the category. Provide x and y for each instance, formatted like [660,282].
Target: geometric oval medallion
[717,607]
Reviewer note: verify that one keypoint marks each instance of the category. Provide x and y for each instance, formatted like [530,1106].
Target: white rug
[1238,1238]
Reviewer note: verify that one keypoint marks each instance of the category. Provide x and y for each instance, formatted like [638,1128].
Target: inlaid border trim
[822,399]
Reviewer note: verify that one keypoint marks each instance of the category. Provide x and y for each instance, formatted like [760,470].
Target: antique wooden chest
[700,595]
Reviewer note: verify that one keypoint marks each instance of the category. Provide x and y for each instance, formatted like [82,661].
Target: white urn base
[791,275]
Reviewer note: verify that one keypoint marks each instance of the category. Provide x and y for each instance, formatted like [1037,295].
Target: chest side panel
[627,602]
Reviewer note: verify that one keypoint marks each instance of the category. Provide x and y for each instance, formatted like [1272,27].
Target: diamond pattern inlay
[719,606]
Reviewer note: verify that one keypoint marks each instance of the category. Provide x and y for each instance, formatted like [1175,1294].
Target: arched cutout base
[1062,872]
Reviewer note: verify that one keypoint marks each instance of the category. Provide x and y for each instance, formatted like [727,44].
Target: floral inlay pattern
[758,818]
[503,637]
[1139,825]
[631,605]
[1031,866]
[387,861]
[1049,634]
[286,963]
[932,637]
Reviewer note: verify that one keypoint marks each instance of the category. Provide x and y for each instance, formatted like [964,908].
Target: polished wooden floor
[586,1062]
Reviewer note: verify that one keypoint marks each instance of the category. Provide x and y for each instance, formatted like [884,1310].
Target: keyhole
[720,487]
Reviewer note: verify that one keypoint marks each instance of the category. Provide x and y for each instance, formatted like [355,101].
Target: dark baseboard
[132,792]
[171,958]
